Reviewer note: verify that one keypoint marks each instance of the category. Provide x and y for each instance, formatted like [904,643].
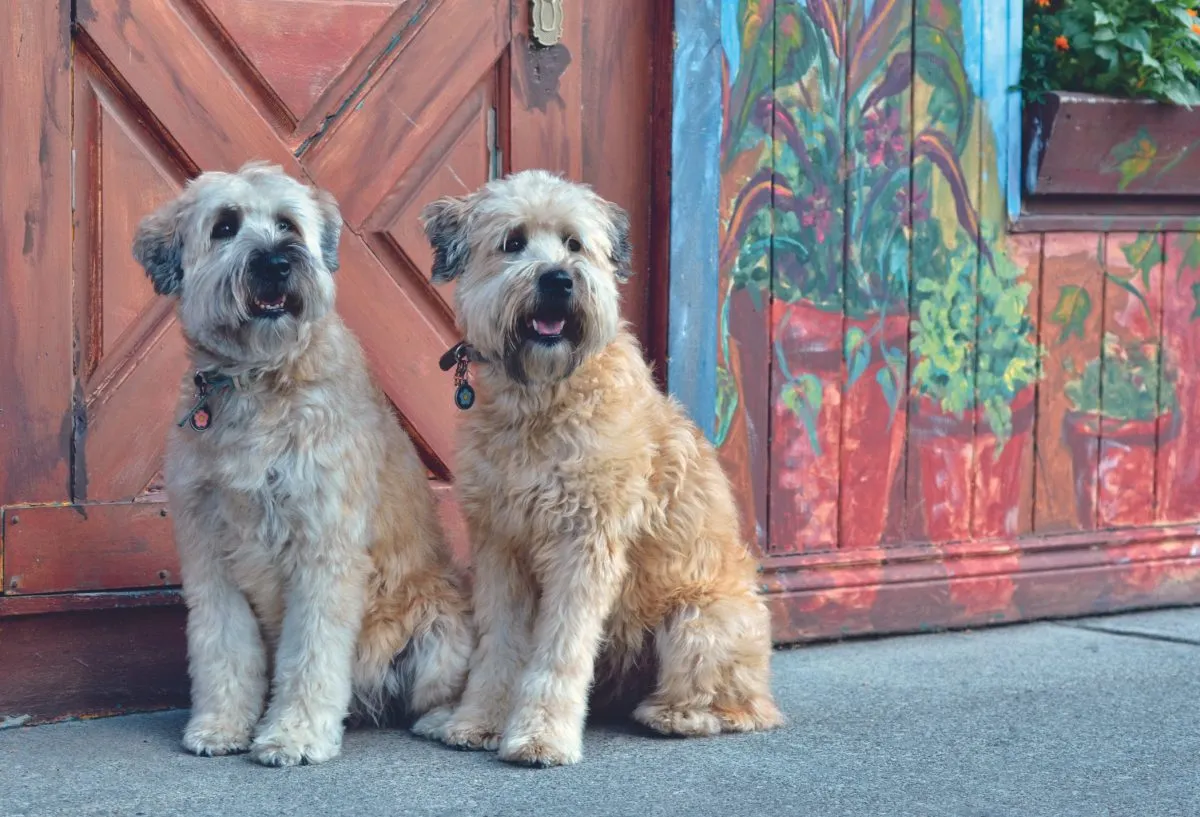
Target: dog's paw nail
[472,738]
[539,753]
[432,724]
[283,749]
[681,721]
[208,738]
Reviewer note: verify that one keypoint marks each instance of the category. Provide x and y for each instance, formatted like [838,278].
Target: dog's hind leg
[714,668]
[435,665]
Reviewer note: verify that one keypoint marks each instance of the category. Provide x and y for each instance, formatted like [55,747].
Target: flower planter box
[1083,145]
[953,451]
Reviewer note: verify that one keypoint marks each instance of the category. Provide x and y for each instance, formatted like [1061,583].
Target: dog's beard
[248,322]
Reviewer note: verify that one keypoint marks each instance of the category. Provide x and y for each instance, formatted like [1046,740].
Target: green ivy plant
[974,349]
[1135,49]
[1135,386]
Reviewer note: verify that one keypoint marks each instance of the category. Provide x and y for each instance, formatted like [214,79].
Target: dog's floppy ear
[618,237]
[158,247]
[331,228]
[445,226]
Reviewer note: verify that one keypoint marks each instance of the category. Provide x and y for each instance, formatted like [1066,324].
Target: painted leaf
[803,397]
[1072,311]
[1195,302]
[858,353]
[727,403]
[934,145]
[897,80]
[1132,158]
[1189,245]
[1144,254]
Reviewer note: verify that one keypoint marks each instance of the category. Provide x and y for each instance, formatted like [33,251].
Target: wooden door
[109,106]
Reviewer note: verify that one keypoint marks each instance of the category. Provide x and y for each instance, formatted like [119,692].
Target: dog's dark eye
[285,225]
[227,225]
[573,244]
[515,241]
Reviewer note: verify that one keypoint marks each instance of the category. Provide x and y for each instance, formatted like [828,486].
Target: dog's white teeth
[547,327]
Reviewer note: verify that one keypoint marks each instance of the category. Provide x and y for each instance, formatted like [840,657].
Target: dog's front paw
[678,721]
[540,750]
[432,724]
[210,736]
[282,746]
[471,735]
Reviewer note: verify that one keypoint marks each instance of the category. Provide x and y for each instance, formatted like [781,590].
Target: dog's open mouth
[273,306]
[550,325]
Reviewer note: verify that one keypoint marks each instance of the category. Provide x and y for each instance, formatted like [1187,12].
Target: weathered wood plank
[1130,395]
[1071,324]
[36,415]
[1178,467]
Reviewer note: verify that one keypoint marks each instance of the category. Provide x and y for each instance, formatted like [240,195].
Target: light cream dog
[311,550]
[600,520]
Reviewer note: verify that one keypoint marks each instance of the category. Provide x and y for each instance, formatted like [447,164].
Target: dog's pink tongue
[548,327]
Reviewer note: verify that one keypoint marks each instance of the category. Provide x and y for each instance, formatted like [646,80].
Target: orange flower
[1191,12]
[1043,4]
[1196,29]
[1060,42]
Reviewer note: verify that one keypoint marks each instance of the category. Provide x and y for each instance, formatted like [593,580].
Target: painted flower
[1061,43]
[883,141]
[919,211]
[816,213]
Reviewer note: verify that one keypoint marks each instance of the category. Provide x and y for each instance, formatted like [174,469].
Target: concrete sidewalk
[1092,717]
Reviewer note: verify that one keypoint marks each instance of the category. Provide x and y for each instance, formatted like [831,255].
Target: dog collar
[459,357]
[208,386]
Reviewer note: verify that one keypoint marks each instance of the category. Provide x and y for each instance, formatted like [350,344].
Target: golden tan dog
[597,511]
[309,542]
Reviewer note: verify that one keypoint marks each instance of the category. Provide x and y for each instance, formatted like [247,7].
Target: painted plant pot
[946,445]
[1115,473]
[814,462]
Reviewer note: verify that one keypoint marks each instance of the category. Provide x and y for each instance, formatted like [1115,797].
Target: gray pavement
[1091,717]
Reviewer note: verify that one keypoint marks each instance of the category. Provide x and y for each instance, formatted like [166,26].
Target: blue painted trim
[1015,12]
[695,205]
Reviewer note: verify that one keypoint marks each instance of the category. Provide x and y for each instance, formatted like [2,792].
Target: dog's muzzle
[552,319]
[271,294]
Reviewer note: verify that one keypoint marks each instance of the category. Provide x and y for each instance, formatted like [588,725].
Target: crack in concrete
[1170,639]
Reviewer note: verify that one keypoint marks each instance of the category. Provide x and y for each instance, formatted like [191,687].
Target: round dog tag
[464,396]
[201,419]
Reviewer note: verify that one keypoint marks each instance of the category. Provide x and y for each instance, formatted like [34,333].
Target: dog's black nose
[556,283]
[273,265]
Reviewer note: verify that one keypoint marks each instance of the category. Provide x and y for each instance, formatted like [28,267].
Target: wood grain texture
[1071,323]
[1026,252]
[1100,146]
[299,47]
[1178,466]
[36,360]
[93,662]
[451,50]
[546,98]
[617,97]
[918,589]
[126,546]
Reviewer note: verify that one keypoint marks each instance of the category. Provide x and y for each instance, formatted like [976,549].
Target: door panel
[386,103]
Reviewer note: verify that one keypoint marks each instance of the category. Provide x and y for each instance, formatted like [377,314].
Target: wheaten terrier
[599,517]
[309,542]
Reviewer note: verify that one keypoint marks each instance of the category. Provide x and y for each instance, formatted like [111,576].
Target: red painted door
[386,103]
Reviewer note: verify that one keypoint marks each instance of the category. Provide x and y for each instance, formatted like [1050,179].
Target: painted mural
[894,368]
